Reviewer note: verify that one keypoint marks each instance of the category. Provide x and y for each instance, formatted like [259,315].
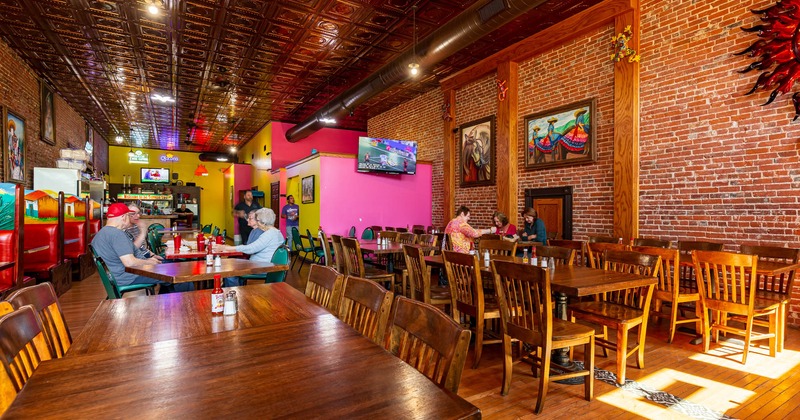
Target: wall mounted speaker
[174,175]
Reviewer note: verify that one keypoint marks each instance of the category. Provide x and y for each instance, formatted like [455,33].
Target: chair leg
[544,381]
[673,321]
[704,315]
[508,366]
[781,324]
[640,344]
[588,361]
[773,329]
[748,332]
[622,353]
[478,341]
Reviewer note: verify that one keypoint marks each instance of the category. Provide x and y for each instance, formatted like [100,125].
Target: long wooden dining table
[285,357]
[192,271]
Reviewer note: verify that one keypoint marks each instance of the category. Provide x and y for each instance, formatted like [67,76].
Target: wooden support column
[449,159]
[626,133]
[506,150]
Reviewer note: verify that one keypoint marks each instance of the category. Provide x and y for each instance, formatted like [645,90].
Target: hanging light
[130,153]
[153,7]
[201,170]
[119,139]
[414,66]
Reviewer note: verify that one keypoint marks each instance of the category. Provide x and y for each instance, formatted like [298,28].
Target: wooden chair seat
[440,293]
[569,331]
[354,263]
[324,286]
[607,312]
[376,274]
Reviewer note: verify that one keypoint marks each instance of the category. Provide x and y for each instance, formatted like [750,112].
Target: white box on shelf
[74,154]
[70,164]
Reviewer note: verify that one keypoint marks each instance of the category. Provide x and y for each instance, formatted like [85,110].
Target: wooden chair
[778,288]
[526,289]
[42,297]
[604,239]
[497,247]
[669,288]
[622,309]
[427,239]
[728,286]
[354,262]
[376,228]
[688,279]
[389,228]
[22,348]
[467,296]
[365,306]
[596,251]
[490,237]
[562,256]
[339,252]
[401,230]
[406,238]
[389,235]
[553,235]
[579,247]
[430,341]
[327,253]
[324,286]
[420,285]
[652,242]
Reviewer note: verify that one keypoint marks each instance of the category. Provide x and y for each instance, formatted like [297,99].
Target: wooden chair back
[326,250]
[498,247]
[604,239]
[376,228]
[466,284]
[401,230]
[526,288]
[22,348]
[354,261]
[407,238]
[491,237]
[389,228]
[561,255]
[427,239]
[447,242]
[419,273]
[725,280]
[668,272]
[596,252]
[324,286]
[42,297]
[553,235]
[339,252]
[388,235]
[782,283]
[652,242]
[365,306]
[581,259]
[430,341]
[635,263]
[687,275]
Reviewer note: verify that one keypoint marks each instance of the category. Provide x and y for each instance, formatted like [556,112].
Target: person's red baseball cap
[117,209]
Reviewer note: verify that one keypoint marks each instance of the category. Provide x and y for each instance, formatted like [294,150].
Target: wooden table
[372,246]
[181,230]
[170,253]
[149,319]
[300,367]
[188,271]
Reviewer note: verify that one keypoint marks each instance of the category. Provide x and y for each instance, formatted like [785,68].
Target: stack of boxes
[73,159]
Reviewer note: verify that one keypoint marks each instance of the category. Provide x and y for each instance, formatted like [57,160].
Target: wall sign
[169,157]
[139,157]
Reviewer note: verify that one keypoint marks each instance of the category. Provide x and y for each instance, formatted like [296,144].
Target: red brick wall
[19,92]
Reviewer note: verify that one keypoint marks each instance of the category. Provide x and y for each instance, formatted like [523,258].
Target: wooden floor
[765,388]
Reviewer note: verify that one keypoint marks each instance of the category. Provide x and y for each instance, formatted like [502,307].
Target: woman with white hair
[263,247]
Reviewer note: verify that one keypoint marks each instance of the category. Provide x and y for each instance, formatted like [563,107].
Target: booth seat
[8,254]
[94,227]
[77,250]
[41,257]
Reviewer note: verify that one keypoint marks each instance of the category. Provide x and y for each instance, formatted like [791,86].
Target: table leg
[390,263]
[561,356]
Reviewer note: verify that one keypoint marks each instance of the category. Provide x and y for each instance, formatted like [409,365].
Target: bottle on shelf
[217,296]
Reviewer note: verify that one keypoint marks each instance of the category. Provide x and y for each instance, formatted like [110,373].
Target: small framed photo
[48,120]
[14,147]
[307,195]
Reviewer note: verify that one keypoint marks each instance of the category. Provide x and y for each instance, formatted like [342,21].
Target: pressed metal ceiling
[234,65]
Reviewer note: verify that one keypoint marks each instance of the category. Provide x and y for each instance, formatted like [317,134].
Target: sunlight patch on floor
[729,355]
[638,405]
[715,395]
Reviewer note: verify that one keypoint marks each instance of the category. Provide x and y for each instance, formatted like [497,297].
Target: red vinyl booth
[11,277]
[76,249]
[8,258]
[44,252]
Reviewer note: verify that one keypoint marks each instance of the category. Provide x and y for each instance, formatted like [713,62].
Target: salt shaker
[231,304]
[551,266]
[217,261]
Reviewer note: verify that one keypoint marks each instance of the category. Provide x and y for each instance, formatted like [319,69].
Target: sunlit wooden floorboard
[765,388]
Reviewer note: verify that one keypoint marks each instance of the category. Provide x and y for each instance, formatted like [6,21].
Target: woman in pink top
[461,233]
[504,229]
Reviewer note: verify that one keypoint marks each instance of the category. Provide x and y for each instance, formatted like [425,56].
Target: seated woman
[461,233]
[533,230]
[263,247]
[504,228]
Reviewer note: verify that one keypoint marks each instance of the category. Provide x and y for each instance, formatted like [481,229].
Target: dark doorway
[554,206]
[275,201]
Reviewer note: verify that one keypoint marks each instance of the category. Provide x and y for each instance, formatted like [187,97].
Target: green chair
[156,246]
[300,247]
[280,257]
[352,232]
[215,233]
[114,291]
[368,234]
[206,229]
[155,227]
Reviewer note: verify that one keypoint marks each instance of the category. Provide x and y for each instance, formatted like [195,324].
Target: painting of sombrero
[561,136]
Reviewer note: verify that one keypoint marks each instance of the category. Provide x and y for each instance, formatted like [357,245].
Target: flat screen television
[155,176]
[387,156]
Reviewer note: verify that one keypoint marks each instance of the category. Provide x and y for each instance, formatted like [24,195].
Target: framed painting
[89,145]
[48,119]
[476,148]
[307,184]
[561,136]
[14,147]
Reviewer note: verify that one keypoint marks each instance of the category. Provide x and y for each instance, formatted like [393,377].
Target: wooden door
[551,211]
[275,201]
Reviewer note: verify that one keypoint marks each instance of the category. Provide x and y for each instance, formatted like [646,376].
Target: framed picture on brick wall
[14,147]
[561,136]
[48,119]
[476,147]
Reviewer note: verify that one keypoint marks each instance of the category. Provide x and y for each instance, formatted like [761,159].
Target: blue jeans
[289,241]
[231,281]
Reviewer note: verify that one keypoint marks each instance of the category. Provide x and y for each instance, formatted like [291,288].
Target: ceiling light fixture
[222,159]
[201,170]
[163,99]
[327,120]
[233,149]
[153,7]
[414,66]
[119,139]
[130,153]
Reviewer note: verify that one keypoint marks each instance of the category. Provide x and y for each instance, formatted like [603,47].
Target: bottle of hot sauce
[217,296]
[209,256]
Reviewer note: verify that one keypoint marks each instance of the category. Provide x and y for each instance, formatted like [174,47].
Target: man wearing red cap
[117,250]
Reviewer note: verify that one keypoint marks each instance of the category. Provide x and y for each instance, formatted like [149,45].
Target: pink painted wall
[349,198]
[242,180]
[329,140]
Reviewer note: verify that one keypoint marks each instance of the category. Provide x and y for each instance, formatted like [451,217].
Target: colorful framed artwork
[14,147]
[307,185]
[476,148]
[561,136]
[48,119]
[89,145]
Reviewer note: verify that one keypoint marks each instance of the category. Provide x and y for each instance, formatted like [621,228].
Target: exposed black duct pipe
[466,28]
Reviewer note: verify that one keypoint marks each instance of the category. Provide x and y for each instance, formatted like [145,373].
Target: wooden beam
[586,21]
[626,134]
[449,159]
[506,150]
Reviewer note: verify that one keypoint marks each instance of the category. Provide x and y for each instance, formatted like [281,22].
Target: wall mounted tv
[387,156]
[155,176]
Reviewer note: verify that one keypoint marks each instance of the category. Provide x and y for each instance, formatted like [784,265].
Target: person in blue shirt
[262,248]
[290,212]
[533,230]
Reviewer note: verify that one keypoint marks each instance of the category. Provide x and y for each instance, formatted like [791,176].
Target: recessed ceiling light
[162,98]
[222,159]
[327,120]
[233,149]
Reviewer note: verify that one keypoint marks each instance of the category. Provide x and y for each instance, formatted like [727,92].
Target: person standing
[241,211]
[461,233]
[290,212]
[533,230]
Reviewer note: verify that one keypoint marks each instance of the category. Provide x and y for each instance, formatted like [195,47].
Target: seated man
[137,233]
[185,214]
[113,245]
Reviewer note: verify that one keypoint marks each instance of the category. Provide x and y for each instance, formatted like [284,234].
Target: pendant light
[414,66]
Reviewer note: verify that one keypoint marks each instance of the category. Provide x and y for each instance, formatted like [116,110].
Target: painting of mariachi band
[562,136]
[477,152]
